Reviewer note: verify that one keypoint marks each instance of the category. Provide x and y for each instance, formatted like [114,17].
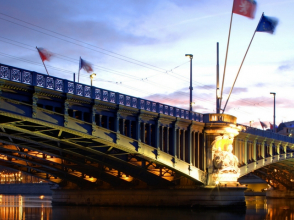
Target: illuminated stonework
[225,163]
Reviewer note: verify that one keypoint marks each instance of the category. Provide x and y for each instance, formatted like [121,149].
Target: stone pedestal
[219,197]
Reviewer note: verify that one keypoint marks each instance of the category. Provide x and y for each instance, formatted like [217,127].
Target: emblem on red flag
[246,8]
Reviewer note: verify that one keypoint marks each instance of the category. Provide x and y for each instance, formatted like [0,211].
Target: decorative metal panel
[128,101]
[112,97]
[4,72]
[166,110]
[187,114]
[49,83]
[105,96]
[171,111]
[160,108]
[197,117]
[70,87]
[154,107]
[98,94]
[15,75]
[59,85]
[201,118]
[182,114]
[40,80]
[121,99]
[134,103]
[148,106]
[142,104]
[79,89]
[177,112]
[87,91]
[26,77]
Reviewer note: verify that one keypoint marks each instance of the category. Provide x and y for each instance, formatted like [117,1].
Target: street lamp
[274,126]
[92,77]
[250,122]
[191,88]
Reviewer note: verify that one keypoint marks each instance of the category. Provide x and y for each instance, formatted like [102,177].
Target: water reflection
[17,207]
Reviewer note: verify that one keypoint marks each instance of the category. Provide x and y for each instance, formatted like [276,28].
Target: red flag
[263,125]
[244,7]
[44,54]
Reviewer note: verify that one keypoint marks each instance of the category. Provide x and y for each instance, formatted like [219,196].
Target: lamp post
[274,126]
[92,77]
[250,122]
[191,88]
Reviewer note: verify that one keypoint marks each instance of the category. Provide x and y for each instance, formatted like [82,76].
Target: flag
[44,54]
[267,24]
[263,125]
[86,66]
[246,8]
[272,126]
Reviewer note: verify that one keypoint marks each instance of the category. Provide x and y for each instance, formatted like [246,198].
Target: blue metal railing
[267,134]
[62,85]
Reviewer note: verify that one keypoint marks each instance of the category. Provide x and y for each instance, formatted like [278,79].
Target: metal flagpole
[79,70]
[42,60]
[241,66]
[228,43]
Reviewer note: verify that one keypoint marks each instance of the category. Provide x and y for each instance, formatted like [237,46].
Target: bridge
[81,137]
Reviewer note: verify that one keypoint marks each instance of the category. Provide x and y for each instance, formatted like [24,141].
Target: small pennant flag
[267,24]
[44,54]
[263,125]
[86,66]
[246,8]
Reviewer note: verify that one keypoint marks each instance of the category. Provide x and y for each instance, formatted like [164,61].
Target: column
[156,134]
[245,151]
[254,150]
[129,124]
[193,149]
[189,142]
[100,120]
[271,149]
[184,144]
[174,140]
[149,134]
[143,132]
[123,126]
[138,128]
[167,140]
[179,143]
[262,149]
[198,149]
[162,147]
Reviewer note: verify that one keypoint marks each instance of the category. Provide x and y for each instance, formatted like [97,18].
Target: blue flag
[267,24]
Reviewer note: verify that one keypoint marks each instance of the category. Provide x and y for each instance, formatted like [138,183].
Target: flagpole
[42,61]
[79,70]
[241,65]
[228,43]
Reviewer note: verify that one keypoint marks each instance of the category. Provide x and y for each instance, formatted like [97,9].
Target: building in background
[286,128]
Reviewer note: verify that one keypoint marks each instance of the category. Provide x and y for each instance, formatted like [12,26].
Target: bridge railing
[267,134]
[66,86]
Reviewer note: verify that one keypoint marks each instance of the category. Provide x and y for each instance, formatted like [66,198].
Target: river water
[20,207]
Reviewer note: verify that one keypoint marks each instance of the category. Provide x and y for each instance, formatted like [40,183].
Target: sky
[138,47]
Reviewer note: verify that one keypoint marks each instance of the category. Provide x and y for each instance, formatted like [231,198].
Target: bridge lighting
[217,182]
[191,88]
[92,77]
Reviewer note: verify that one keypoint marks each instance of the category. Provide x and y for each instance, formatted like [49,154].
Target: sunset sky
[138,47]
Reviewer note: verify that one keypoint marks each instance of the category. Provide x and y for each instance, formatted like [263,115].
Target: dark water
[17,207]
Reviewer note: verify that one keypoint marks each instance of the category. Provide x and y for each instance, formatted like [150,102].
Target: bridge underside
[74,159]
[279,175]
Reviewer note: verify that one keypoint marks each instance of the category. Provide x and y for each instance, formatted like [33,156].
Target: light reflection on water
[18,207]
